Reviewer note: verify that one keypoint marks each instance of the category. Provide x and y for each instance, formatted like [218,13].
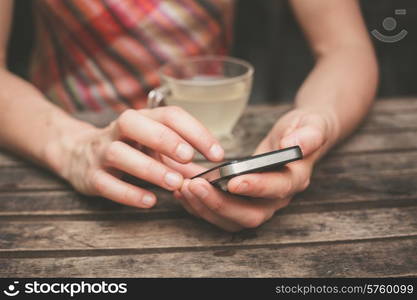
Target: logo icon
[390,24]
[11,290]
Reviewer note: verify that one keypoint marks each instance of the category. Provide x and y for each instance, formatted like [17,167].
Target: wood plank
[138,233]
[66,203]
[29,178]
[390,121]
[375,258]
[324,193]
[9,160]
[360,142]
[367,163]
[360,187]
[381,141]
[395,104]
[380,133]
[379,118]
[388,115]
[34,178]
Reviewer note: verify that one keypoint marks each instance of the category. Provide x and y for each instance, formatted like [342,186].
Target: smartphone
[221,174]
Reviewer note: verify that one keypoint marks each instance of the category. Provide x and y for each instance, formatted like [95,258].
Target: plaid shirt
[106,53]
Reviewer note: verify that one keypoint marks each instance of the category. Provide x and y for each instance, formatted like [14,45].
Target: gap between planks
[27,254]
[295,207]
[283,229]
[384,258]
[344,192]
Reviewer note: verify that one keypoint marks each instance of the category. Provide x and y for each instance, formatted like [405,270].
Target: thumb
[309,139]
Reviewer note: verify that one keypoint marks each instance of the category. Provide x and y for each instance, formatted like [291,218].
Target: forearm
[29,123]
[342,85]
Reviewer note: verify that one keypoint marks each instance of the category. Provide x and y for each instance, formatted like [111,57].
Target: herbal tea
[217,102]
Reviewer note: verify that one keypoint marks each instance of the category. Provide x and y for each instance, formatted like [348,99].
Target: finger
[180,197]
[187,170]
[122,192]
[189,128]
[308,138]
[154,135]
[281,184]
[238,210]
[204,212]
[264,146]
[125,158]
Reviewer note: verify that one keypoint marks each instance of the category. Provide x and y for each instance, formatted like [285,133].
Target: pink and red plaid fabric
[99,53]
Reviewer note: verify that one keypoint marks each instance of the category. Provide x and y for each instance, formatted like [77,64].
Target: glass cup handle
[156,96]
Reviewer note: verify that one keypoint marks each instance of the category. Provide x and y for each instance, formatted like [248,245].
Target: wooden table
[358,217]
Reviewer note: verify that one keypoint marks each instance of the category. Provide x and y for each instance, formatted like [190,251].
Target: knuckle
[172,113]
[148,168]
[96,183]
[144,111]
[112,152]
[175,110]
[129,195]
[256,185]
[319,136]
[286,189]
[163,137]
[254,220]
[259,187]
[124,120]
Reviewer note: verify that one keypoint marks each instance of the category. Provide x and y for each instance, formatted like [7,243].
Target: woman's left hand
[254,198]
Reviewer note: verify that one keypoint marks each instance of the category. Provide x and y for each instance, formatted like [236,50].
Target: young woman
[92,54]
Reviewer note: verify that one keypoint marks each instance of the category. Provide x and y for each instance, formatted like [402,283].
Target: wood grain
[357,218]
[29,178]
[282,229]
[373,258]
[323,194]
[400,162]
[70,203]
[367,163]
[362,141]
[386,116]
[7,159]
[395,105]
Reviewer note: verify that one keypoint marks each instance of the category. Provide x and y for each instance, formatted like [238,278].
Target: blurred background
[267,35]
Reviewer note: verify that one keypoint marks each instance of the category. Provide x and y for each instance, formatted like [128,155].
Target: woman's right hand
[136,143]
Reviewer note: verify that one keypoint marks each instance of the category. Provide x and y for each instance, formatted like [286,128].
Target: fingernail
[217,151]
[148,200]
[173,180]
[184,151]
[242,187]
[200,191]
[289,141]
